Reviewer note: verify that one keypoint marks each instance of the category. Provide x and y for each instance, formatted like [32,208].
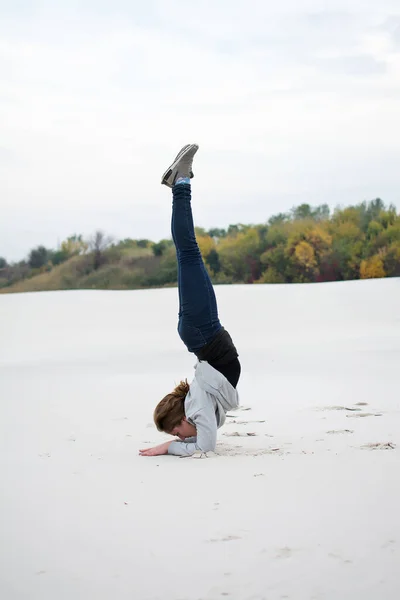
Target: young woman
[194,412]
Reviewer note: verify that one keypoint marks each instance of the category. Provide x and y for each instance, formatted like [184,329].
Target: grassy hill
[121,269]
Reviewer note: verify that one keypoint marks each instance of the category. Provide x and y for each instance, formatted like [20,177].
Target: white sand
[305,509]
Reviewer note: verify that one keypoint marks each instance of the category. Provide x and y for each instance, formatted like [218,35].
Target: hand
[156,451]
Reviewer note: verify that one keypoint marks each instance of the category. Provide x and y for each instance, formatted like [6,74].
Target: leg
[198,313]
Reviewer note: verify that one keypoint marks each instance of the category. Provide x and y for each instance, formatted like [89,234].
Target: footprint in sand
[226,538]
[324,408]
[357,411]
[365,414]
[238,434]
[379,446]
[339,431]
[223,450]
[240,422]
[241,408]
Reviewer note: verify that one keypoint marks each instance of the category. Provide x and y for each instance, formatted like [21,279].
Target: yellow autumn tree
[74,245]
[372,268]
[319,238]
[305,255]
[206,243]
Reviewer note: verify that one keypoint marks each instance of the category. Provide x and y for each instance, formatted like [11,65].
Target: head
[169,415]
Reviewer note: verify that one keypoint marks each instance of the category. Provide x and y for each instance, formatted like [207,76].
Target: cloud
[287,103]
[392,27]
[362,65]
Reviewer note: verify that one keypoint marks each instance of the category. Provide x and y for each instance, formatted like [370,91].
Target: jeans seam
[188,253]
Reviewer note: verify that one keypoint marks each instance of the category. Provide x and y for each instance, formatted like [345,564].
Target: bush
[271,275]
[38,257]
[160,247]
[57,257]
[112,254]
[167,273]
[133,279]
[222,278]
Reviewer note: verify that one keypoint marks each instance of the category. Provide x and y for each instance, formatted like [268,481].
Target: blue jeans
[198,314]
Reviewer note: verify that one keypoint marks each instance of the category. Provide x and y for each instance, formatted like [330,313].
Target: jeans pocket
[191,336]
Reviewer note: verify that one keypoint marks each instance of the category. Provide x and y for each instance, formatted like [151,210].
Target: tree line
[307,244]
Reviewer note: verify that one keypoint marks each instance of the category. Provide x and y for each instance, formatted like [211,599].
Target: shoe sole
[170,170]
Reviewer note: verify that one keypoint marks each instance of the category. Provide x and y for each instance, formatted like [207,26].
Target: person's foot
[181,167]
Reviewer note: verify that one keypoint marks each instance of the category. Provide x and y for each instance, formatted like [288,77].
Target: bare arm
[157,450]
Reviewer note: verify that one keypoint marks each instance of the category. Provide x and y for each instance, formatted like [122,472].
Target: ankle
[182,179]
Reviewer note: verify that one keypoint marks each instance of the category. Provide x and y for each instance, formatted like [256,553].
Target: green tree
[304,211]
[160,247]
[347,246]
[38,257]
[279,218]
[391,259]
[57,257]
[239,255]
[370,211]
[213,261]
[216,232]
[143,243]
[276,259]
[321,213]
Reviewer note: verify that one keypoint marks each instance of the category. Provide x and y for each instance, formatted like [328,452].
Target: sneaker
[182,165]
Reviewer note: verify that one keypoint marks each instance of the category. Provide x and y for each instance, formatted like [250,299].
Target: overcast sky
[291,101]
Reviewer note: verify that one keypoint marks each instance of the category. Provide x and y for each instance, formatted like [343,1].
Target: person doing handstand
[194,412]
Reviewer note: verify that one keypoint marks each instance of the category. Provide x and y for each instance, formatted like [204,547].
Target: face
[184,430]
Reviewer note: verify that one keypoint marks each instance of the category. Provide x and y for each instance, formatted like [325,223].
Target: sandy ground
[302,499]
